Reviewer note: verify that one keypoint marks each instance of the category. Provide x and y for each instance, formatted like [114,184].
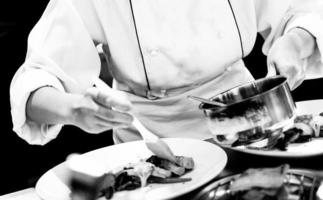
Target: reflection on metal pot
[252,108]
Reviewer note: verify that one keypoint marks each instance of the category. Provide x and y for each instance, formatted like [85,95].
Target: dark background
[22,164]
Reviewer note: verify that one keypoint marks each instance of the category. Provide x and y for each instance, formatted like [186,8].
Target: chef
[158,52]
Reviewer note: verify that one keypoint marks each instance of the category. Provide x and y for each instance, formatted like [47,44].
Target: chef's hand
[288,53]
[93,111]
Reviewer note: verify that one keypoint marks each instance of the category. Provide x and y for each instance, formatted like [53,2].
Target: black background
[22,164]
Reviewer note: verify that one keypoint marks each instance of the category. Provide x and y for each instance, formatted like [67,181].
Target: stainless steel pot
[252,110]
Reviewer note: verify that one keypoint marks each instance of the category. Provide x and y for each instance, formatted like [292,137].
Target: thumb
[109,97]
[115,99]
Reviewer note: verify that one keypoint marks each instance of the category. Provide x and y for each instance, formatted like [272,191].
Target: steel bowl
[251,110]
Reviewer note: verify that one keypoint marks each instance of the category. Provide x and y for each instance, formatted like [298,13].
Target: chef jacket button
[153,95]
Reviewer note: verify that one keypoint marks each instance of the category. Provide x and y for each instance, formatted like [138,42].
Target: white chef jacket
[178,47]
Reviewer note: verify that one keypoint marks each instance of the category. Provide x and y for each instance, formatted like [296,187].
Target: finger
[296,84]
[301,75]
[297,81]
[100,98]
[100,125]
[293,71]
[103,124]
[98,128]
[116,99]
[114,116]
[112,98]
[92,92]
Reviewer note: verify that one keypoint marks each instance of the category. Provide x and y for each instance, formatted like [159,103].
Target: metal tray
[305,180]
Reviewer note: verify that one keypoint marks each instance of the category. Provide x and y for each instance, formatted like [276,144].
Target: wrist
[303,40]
[69,112]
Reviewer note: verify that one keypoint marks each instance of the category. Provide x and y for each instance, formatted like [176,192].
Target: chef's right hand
[96,111]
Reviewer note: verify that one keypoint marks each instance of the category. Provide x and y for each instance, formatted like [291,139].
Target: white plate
[209,160]
[312,148]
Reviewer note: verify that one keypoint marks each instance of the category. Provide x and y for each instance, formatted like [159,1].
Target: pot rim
[284,82]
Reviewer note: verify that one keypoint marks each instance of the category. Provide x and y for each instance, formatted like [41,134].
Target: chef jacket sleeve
[275,18]
[61,54]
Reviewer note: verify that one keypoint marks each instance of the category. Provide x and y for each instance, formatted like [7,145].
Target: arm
[59,111]
[288,53]
[292,38]
[90,112]
[61,54]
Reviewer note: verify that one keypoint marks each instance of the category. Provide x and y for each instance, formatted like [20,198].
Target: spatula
[153,142]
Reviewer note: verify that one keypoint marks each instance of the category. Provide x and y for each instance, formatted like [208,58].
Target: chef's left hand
[287,56]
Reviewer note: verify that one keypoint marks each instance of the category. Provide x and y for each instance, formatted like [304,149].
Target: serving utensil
[207,101]
[153,142]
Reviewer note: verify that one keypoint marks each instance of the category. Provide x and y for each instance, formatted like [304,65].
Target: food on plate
[303,129]
[144,172]
[179,168]
[269,184]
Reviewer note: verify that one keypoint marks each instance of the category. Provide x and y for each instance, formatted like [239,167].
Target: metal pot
[252,110]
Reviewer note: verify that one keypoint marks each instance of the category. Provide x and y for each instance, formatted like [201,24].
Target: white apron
[176,115]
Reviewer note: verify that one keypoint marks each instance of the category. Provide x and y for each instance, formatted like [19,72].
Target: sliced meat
[186,162]
[166,164]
